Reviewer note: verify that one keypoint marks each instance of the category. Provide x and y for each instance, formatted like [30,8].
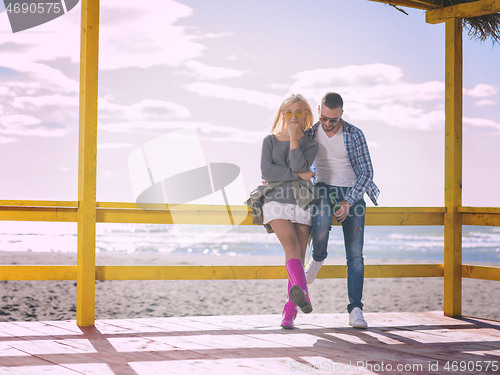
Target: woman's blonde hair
[279,119]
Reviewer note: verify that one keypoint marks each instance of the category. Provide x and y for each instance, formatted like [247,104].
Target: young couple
[343,171]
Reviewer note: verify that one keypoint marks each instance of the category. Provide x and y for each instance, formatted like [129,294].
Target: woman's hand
[305,175]
[294,130]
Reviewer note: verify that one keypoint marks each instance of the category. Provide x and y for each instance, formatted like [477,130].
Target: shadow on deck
[398,343]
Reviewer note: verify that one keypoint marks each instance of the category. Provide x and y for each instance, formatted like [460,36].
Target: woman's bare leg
[285,231]
[302,231]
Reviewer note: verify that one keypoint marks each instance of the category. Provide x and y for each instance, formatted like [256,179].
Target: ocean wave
[406,243]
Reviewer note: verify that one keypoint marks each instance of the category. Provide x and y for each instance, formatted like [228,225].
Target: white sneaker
[356,319]
[312,269]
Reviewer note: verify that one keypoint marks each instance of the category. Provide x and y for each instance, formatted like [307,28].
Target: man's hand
[305,175]
[342,212]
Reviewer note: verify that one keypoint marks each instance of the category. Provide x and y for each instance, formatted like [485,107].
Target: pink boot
[298,291]
[289,312]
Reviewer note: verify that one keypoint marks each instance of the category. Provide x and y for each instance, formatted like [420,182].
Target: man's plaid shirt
[359,156]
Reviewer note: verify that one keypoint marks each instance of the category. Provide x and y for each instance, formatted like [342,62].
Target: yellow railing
[66,211]
[217,215]
[111,212]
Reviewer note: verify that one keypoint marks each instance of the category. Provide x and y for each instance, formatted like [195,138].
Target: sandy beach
[56,300]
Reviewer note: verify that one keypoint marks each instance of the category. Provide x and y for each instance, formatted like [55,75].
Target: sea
[481,245]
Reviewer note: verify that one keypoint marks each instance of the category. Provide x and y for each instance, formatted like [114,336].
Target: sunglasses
[289,114]
[328,120]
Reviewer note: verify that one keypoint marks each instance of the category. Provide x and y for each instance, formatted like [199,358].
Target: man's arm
[364,164]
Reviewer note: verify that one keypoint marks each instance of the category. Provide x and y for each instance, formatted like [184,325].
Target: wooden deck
[398,343]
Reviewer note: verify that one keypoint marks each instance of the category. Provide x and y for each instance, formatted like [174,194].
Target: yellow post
[87,155]
[453,170]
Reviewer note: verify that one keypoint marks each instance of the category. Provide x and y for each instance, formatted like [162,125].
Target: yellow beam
[427,3]
[404,270]
[480,219]
[185,214]
[89,52]
[37,272]
[374,216]
[465,10]
[481,272]
[480,215]
[419,4]
[404,216]
[453,170]
[386,271]
[19,203]
[256,272]
[213,208]
[217,215]
[210,272]
[111,212]
[58,214]
[190,272]
[479,210]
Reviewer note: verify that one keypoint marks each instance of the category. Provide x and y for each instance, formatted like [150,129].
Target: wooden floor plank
[321,344]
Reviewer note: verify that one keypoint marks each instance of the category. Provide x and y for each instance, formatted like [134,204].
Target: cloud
[484,103]
[373,92]
[138,127]
[45,102]
[206,72]
[481,90]
[217,133]
[13,121]
[145,110]
[148,35]
[255,97]
[31,88]
[130,35]
[56,39]
[481,122]
[4,140]
[113,146]
[364,75]
[27,125]
[39,75]
[377,93]
[210,132]
[212,35]
[37,100]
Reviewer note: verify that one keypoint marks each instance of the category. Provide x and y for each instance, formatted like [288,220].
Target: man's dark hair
[332,100]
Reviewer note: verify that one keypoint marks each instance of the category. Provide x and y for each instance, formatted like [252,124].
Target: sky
[188,83]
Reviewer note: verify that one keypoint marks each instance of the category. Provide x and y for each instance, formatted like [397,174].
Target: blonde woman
[287,155]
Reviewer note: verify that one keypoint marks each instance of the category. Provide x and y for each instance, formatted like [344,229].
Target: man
[344,173]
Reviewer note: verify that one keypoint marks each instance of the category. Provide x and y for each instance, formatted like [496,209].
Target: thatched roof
[482,27]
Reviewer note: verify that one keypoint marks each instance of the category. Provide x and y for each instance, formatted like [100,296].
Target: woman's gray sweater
[279,163]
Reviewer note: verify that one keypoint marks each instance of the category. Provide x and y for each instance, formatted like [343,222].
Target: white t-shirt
[332,163]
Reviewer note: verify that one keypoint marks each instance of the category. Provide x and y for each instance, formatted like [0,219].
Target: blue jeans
[353,227]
